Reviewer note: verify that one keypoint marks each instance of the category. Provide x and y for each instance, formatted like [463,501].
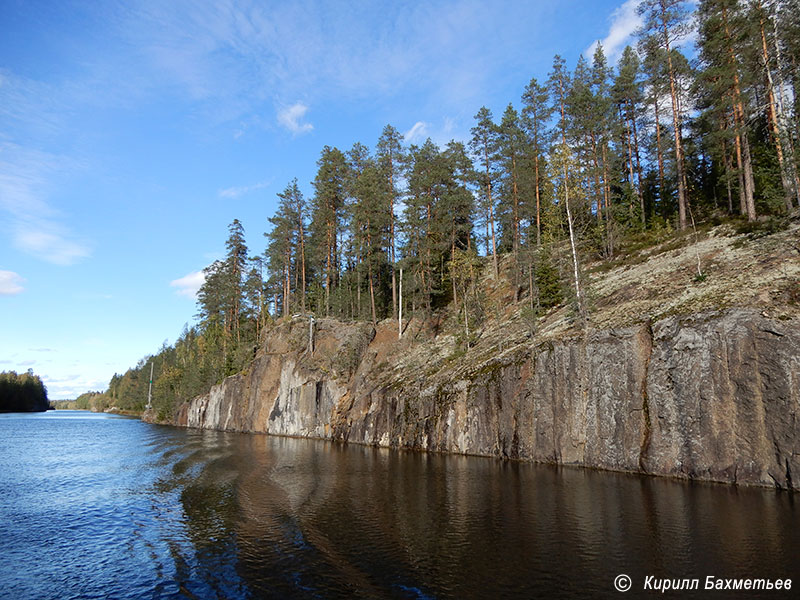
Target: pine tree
[510,154]
[255,295]
[327,213]
[763,17]
[369,218]
[436,208]
[628,98]
[391,159]
[210,296]
[456,207]
[665,24]
[280,249]
[535,116]
[581,121]
[723,30]
[558,83]
[235,263]
[604,120]
[654,69]
[787,49]
[484,146]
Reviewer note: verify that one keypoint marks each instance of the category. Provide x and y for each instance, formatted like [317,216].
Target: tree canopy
[22,392]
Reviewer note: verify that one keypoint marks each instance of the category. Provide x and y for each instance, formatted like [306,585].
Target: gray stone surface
[714,396]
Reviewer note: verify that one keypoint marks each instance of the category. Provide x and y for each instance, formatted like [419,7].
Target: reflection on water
[103,506]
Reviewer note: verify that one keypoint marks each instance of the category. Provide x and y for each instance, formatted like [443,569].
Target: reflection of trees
[373,522]
[196,511]
[290,518]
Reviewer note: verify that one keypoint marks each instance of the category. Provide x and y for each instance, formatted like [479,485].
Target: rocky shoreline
[712,396]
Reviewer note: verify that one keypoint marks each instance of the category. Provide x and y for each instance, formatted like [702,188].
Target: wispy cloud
[440,133]
[624,22]
[35,227]
[237,191]
[50,243]
[189,284]
[10,283]
[71,386]
[291,117]
[419,131]
[233,57]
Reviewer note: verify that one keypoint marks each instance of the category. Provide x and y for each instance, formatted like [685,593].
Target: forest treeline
[22,392]
[585,160]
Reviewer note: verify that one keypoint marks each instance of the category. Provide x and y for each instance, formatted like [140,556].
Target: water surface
[103,506]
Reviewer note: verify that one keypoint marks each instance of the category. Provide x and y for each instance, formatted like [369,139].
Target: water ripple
[100,506]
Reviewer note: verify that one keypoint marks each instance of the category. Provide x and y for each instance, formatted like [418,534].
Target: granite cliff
[714,396]
[663,381]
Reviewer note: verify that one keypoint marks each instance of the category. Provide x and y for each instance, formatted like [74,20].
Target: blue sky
[132,133]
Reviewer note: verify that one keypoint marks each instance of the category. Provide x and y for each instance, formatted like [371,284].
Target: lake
[105,506]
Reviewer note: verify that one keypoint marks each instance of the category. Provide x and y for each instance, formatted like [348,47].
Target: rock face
[714,396]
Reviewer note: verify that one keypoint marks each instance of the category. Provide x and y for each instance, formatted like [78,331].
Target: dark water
[100,506]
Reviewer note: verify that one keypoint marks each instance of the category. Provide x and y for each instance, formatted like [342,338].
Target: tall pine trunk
[741,131]
[638,161]
[538,202]
[676,124]
[391,236]
[659,154]
[491,208]
[775,122]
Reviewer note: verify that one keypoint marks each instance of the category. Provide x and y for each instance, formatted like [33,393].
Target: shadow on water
[144,511]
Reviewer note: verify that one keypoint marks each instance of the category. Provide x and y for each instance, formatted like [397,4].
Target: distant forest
[588,162]
[23,392]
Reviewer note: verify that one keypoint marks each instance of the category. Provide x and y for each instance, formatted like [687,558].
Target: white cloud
[624,22]
[291,116]
[49,243]
[418,132]
[189,284]
[237,191]
[26,177]
[71,386]
[10,283]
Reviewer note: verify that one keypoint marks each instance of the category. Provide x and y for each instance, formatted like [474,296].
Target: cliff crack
[645,446]
[772,331]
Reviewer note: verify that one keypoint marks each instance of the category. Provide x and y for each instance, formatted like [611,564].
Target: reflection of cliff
[714,396]
[334,521]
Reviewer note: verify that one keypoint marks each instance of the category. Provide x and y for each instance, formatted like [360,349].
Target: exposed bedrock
[714,396]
